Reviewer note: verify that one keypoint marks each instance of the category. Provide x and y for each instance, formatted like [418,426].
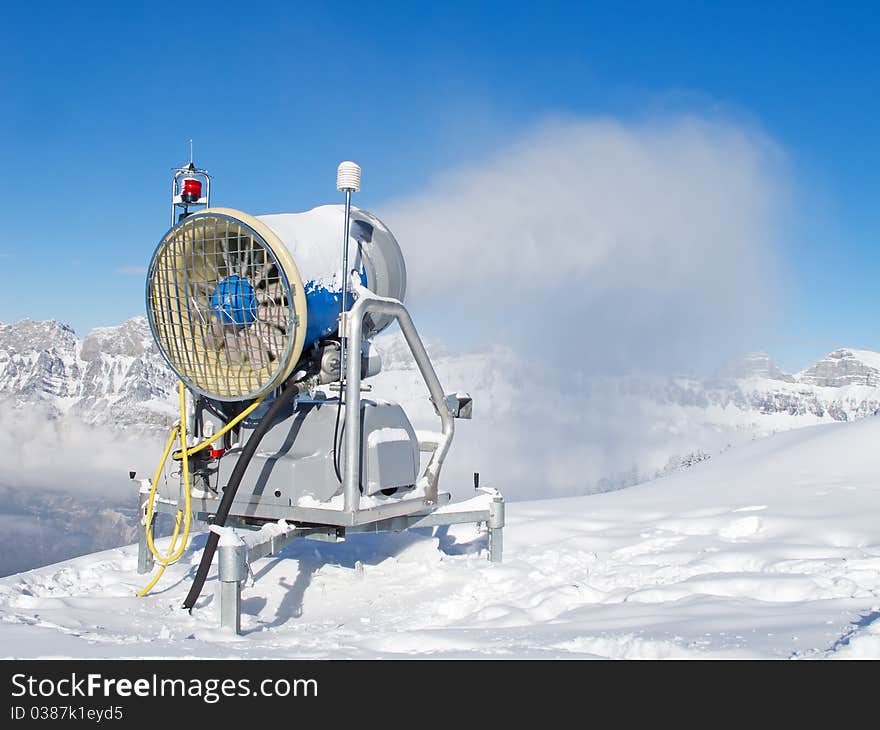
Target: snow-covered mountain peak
[29,335]
[759,365]
[132,338]
[114,376]
[845,366]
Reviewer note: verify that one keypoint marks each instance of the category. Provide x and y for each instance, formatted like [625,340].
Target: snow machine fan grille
[222,305]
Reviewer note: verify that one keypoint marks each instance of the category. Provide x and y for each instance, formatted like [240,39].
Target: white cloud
[64,455]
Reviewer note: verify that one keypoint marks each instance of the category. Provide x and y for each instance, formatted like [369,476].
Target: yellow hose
[174,551]
[228,427]
[147,588]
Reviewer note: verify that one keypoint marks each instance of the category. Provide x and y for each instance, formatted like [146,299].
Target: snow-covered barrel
[314,240]
[234,299]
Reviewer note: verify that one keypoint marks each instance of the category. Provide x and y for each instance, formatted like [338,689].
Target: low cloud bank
[63,455]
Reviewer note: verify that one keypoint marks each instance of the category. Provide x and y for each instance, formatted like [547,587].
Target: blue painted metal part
[324,306]
[234,301]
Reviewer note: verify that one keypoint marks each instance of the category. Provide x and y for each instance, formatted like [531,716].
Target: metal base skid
[241,545]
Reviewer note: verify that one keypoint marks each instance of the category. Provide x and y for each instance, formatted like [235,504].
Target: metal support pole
[343,335]
[232,564]
[496,544]
[495,523]
[145,556]
[230,606]
[351,476]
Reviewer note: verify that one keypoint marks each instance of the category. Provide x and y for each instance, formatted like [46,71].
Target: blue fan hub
[234,301]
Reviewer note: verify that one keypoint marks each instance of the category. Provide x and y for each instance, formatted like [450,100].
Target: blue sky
[99,99]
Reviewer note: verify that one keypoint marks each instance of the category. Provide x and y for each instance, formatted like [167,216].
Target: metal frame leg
[232,563]
[145,557]
[495,523]
[230,606]
[496,544]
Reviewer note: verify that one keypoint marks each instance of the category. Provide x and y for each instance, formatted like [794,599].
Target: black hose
[244,459]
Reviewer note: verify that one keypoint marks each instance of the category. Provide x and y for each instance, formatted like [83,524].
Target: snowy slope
[769,550]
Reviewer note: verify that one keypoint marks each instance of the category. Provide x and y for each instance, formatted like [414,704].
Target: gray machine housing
[294,466]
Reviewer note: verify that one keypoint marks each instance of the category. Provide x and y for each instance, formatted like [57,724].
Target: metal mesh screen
[221,307]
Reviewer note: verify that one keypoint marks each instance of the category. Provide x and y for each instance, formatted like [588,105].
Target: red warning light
[192,190]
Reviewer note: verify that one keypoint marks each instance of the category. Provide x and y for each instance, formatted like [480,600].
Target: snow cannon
[268,323]
[235,301]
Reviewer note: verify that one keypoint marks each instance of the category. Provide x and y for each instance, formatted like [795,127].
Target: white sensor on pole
[348,180]
[348,176]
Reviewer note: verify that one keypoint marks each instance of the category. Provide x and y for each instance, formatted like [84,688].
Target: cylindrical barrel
[313,241]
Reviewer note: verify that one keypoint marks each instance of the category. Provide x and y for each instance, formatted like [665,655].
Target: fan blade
[215,335]
[256,352]
[245,253]
[228,259]
[274,293]
[272,339]
[274,314]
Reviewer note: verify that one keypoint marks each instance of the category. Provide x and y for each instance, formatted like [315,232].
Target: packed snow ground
[770,550]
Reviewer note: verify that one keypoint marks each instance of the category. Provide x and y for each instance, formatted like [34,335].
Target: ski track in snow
[771,550]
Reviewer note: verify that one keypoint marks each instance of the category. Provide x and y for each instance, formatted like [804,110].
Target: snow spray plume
[586,249]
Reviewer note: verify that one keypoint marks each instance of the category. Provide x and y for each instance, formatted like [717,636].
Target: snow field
[770,550]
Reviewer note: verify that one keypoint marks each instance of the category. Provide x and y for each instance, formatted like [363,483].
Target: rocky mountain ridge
[115,376]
